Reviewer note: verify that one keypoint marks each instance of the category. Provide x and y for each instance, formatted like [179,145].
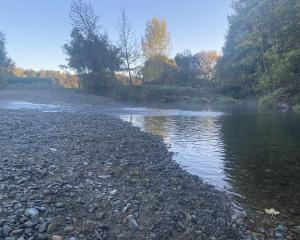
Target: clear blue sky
[37,29]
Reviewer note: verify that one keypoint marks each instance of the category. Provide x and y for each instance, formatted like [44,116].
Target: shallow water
[254,156]
[16,105]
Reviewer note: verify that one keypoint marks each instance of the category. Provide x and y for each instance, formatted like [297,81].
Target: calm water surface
[254,156]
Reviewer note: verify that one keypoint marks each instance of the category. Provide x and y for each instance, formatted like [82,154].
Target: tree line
[9,73]
[6,64]
[261,52]
[96,60]
[58,78]
[262,49]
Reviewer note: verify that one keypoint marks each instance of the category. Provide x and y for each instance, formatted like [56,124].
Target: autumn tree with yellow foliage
[157,39]
[156,45]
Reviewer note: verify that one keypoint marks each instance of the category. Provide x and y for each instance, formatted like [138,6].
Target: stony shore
[76,176]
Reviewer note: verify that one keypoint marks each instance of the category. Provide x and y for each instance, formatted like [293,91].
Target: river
[254,156]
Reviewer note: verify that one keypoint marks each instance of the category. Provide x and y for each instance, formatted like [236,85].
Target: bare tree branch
[127,43]
[83,17]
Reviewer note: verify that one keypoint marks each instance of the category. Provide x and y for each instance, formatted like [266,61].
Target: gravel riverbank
[95,177]
[90,176]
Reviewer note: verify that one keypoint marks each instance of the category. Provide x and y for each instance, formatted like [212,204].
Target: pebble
[59,205]
[6,230]
[52,227]
[56,237]
[29,224]
[124,209]
[113,192]
[43,228]
[281,228]
[10,238]
[17,232]
[32,213]
[296,229]
[132,222]
[68,229]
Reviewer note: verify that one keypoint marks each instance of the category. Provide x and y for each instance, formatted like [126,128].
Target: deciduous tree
[262,50]
[89,52]
[127,44]
[6,64]
[157,39]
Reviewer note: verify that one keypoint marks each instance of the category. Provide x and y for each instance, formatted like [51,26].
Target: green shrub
[267,103]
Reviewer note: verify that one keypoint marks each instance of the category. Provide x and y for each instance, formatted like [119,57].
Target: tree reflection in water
[256,156]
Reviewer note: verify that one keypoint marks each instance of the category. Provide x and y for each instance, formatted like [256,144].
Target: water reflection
[262,159]
[195,140]
[255,156]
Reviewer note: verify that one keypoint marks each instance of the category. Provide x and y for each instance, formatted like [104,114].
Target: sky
[36,30]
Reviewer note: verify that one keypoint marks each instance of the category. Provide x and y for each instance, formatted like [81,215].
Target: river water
[254,156]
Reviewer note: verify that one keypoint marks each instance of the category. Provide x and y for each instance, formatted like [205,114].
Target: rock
[124,209]
[43,228]
[97,234]
[52,227]
[75,220]
[180,226]
[17,232]
[113,192]
[68,229]
[10,238]
[132,222]
[296,229]
[279,235]
[19,212]
[240,221]
[188,217]
[59,205]
[17,205]
[6,230]
[56,237]
[100,215]
[104,176]
[32,213]
[280,228]
[2,222]
[29,224]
